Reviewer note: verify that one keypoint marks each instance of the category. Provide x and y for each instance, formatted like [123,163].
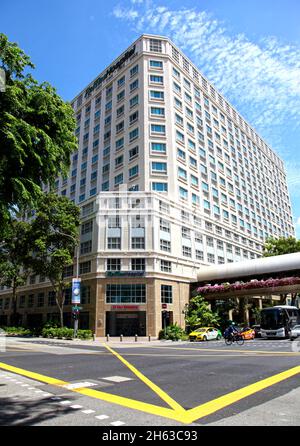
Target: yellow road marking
[163,395]
[33,375]
[178,413]
[226,400]
[110,398]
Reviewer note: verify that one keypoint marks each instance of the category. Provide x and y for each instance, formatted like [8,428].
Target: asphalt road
[148,384]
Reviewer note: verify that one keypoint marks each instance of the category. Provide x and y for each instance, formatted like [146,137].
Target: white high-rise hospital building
[169,177]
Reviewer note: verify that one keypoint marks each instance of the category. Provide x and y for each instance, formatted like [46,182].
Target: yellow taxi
[248,333]
[205,334]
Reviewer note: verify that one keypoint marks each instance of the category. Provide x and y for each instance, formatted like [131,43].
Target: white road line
[78,385]
[117,379]
[76,406]
[117,423]
[88,411]
[65,402]
[102,417]
[38,391]
[25,385]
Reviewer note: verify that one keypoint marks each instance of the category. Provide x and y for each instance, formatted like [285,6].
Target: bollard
[149,338]
[136,338]
[107,338]
[94,337]
[121,338]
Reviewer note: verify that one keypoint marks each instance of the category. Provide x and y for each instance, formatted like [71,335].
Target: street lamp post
[75,285]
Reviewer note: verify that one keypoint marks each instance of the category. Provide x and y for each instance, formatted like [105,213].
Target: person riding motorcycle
[231,330]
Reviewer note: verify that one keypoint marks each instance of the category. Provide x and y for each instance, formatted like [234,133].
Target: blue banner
[76,291]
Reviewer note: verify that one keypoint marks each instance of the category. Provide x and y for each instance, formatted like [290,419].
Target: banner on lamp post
[76,290]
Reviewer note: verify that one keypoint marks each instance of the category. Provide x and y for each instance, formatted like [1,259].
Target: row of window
[135,294]
[46,299]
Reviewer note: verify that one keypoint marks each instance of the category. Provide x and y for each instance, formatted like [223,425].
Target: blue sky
[250,51]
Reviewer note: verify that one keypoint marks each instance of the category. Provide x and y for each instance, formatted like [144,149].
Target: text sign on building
[125,307]
[109,71]
[76,291]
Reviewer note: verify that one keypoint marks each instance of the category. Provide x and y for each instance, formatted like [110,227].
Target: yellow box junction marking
[163,395]
[176,412]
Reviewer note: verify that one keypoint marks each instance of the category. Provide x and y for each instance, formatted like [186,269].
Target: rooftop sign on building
[109,71]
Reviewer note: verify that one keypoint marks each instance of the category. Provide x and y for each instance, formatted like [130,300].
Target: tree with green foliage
[276,247]
[55,237]
[36,133]
[282,245]
[15,261]
[199,314]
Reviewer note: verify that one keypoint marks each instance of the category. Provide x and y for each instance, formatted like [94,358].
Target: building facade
[169,177]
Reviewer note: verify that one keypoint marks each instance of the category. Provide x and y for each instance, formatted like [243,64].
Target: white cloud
[262,78]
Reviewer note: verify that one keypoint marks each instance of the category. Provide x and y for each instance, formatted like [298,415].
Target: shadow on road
[31,412]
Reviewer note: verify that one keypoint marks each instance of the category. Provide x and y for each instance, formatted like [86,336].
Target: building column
[246,315]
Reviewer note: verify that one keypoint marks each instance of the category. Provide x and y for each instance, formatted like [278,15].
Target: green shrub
[84,334]
[65,333]
[17,331]
[60,333]
[173,333]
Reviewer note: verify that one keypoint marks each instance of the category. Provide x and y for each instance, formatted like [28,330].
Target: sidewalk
[93,343]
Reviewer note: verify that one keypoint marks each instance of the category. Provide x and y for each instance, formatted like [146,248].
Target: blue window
[156,79]
[133,134]
[133,171]
[94,175]
[181,154]
[179,136]
[105,186]
[134,101]
[159,167]
[160,187]
[183,193]
[119,143]
[134,70]
[193,162]
[134,85]
[206,204]
[119,179]
[93,191]
[156,64]
[195,199]
[191,145]
[158,147]
[157,111]
[158,129]
[204,186]
[194,181]
[81,197]
[156,94]
[94,159]
[83,165]
[182,173]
